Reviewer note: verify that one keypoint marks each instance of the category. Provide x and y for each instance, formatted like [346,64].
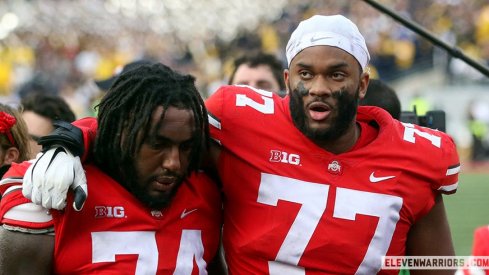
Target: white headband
[335,30]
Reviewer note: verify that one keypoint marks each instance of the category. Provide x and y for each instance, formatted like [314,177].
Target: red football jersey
[293,208]
[88,126]
[16,211]
[116,234]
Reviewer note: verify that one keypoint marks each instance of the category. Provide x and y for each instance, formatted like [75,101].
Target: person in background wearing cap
[105,84]
[259,70]
[314,183]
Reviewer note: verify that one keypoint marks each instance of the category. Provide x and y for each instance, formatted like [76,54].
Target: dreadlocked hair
[125,112]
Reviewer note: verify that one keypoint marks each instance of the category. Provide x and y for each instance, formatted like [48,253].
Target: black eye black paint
[301,89]
[338,93]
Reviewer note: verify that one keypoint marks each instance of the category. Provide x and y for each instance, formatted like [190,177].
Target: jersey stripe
[453,170]
[28,213]
[214,121]
[449,188]
[11,189]
[11,180]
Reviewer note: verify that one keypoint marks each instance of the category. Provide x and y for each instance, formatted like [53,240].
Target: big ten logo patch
[284,157]
[109,212]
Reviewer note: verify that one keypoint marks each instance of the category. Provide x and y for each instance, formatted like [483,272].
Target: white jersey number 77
[313,198]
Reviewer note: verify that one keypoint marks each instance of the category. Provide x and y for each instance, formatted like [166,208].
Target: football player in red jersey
[152,212]
[315,184]
[332,186]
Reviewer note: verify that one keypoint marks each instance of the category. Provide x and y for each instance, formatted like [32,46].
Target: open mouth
[319,110]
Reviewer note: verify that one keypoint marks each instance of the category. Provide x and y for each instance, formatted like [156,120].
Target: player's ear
[363,85]
[286,79]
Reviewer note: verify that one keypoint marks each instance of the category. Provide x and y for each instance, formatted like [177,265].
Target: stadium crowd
[66,64]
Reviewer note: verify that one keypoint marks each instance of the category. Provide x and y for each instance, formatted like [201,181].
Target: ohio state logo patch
[334,167]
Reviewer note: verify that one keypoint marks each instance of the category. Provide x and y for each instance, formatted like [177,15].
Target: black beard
[346,112]
[131,181]
[154,203]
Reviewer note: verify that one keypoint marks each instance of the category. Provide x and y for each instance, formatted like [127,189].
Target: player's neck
[345,142]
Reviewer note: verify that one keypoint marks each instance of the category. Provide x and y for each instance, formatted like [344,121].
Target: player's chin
[158,197]
[318,126]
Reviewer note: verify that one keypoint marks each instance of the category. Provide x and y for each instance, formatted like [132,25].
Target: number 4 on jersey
[106,245]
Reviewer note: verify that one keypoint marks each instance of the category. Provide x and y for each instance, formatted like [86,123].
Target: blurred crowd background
[61,47]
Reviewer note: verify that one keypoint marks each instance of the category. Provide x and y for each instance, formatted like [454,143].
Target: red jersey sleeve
[450,162]
[432,154]
[88,126]
[214,105]
[230,104]
[17,170]
[16,211]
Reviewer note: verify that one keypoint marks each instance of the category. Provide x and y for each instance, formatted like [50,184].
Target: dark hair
[126,110]
[19,134]
[381,95]
[49,106]
[257,59]
[38,84]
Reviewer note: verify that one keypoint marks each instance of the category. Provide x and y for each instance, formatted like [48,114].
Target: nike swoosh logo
[377,179]
[185,212]
[317,39]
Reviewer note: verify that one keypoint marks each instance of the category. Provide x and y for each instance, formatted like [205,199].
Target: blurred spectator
[478,119]
[419,104]
[260,70]
[381,95]
[39,111]
[38,84]
[13,138]
[104,84]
